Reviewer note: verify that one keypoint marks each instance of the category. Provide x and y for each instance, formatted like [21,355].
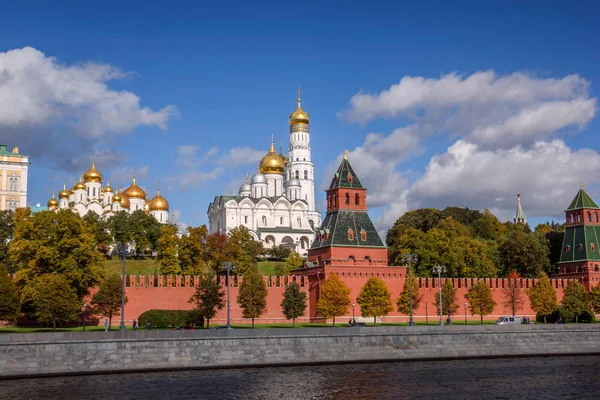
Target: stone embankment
[23,355]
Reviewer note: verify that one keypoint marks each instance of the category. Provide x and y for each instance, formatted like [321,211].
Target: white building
[14,168]
[89,195]
[278,204]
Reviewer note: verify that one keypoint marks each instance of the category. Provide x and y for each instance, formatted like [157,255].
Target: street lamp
[228,266]
[410,258]
[353,304]
[123,254]
[84,307]
[439,269]
[465,304]
[426,315]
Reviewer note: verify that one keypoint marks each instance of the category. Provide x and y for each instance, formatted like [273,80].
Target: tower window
[596,216]
[357,199]
[13,184]
[568,249]
[350,234]
[579,247]
[349,177]
[264,220]
[299,223]
[347,201]
[592,247]
[297,174]
[290,174]
[245,219]
[280,220]
[589,216]
[305,174]
[363,235]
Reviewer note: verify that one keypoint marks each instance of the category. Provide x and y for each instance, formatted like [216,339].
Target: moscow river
[533,378]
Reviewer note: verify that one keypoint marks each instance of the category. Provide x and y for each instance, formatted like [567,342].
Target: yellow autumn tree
[374,299]
[335,298]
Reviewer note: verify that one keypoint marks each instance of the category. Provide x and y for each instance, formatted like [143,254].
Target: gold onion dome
[107,189]
[52,203]
[72,190]
[159,203]
[134,191]
[92,174]
[80,185]
[272,163]
[64,194]
[117,198]
[125,203]
[299,116]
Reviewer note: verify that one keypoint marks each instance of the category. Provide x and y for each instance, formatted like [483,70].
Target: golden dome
[158,203]
[80,185]
[125,203]
[64,194]
[52,203]
[299,116]
[72,190]
[92,174]
[134,191]
[107,189]
[272,163]
[117,198]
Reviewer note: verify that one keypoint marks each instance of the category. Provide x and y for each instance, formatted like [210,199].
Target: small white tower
[63,197]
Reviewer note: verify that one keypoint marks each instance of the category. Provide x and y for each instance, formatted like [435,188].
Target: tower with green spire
[520,217]
[580,253]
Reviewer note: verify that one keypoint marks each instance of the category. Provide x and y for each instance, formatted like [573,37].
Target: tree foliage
[525,253]
[335,298]
[10,306]
[56,242]
[374,299]
[575,301]
[252,296]
[278,253]
[481,301]
[542,297]
[208,298]
[6,235]
[513,295]
[403,301]
[167,250]
[52,299]
[106,302]
[293,304]
[145,231]
[193,255]
[595,299]
[98,226]
[449,300]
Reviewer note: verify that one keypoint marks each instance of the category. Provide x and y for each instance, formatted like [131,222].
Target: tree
[167,248]
[208,298]
[480,300]
[192,253]
[575,301]
[10,307]
[216,251]
[107,300]
[98,226]
[403,301]
[52,299]
[294,302]
[145,231]
[542,297]
[449,300]
[56,242]
[335,298]
[374,299]
[280,252]
[513,295]
[294,261]
[119,227]
[6,234]
[252,296]
[595,298]
[523,252]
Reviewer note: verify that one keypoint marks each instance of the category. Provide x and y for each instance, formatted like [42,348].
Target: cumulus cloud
[509,138]
[50,107]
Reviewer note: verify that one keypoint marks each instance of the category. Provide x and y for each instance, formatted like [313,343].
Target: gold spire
[346,154]
[299,116]
[80,185]
[581,187]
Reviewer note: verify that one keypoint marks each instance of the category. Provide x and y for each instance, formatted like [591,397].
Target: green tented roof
[345,177]
[582,200]
[581,243]
[335,227]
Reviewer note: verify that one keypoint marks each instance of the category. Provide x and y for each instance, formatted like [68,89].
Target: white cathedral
[89,195]
[278,204]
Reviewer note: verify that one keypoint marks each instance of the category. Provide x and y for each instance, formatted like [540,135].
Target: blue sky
[497,97]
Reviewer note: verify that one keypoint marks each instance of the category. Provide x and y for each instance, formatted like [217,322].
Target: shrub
[169,318]
[584,317]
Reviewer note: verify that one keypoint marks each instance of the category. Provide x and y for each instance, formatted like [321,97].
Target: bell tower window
[357,199]
[347,200]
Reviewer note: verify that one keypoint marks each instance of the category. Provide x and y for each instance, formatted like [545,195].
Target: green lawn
[268,267]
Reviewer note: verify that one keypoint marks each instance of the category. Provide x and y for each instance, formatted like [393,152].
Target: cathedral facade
[277,204]
[90,195]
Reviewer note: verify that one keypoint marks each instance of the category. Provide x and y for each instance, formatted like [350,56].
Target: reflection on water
[552,377]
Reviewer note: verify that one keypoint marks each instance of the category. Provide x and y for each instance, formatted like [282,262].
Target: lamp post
[353,304]
[410,258]
[123,254]
[84,307]
[228,266]
[465,304]
[439,269]
[426,315]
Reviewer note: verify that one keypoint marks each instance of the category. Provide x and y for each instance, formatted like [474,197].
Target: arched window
[88,191]
[579,247]
[352,259]
[245,219]
[589,216]
[12,206]
[592,247]
[297,174]
[264,220]
[13,184]
[349,177]
[299,223]
[596,216]
[357,199]
[350,234]
[305,174]
[347,201]
[363,235]
[578,218]
[280,220]
[568,249]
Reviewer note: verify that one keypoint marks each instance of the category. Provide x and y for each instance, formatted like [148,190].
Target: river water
[518,378]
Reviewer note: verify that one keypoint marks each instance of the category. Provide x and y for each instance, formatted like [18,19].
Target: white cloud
[50,106]
[240,156]
[124,175]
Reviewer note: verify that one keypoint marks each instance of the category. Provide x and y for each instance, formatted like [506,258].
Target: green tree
[464,216]
[374,299]
[56,242]
[480,300]
[542,297]
[6,234]
[403,301]
[52,299]
[575,301]
[252,296]
[10,307]
[294,261]
[421,220]
[523,252]
[119,227]
[449,300]
[167,249]
[487,227]
[335,298]
[595,299]
[208,298]
[145,231]
[216,251]
[293,303]
[278,253]
[513,295]
[106,301]
[192,253]
[98,226]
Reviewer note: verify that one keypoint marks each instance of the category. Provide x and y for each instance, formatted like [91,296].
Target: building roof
[224,199]
[283,229]
[14,152]
[337,224]
[345,177]
[577,244]
[582,200]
